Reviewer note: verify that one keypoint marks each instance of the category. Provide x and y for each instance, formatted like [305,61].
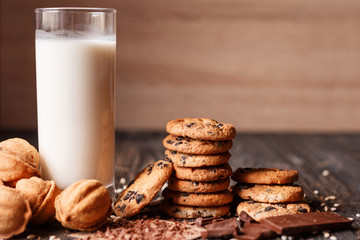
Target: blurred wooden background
[273,66]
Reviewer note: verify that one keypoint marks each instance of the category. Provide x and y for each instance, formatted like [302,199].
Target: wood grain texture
[310,154]
[263,66]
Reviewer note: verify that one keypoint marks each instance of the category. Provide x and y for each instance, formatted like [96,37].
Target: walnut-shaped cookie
[15,212]
[85,205]
[41,196]
[18,159]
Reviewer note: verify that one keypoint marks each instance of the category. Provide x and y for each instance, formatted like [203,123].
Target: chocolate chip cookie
[270,193]
[263,210]
[178,211]
[196,160]
[143,188]
[198,187]
[203,174]
[198,199]
[201,128]
[190,145]
[265,175]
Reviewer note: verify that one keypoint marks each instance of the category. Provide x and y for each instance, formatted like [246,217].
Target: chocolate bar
[307,222]
[226,227]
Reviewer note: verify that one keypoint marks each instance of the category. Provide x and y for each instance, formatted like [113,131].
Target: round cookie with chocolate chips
[263,210]
[198,187]
[198,199]
[270,193]
[142,189]
[179,211]
[201,128]
[203,174]
[196,160]
[265,175]
[194,146]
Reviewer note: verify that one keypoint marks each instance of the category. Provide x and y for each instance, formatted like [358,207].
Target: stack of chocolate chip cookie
[268,192]
[198,148]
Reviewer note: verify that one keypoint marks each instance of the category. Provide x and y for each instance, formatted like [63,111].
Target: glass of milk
[75,72]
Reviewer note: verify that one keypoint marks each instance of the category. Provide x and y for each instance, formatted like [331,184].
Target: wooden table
[312,154]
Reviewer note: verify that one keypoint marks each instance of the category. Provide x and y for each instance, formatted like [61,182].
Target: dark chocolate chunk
[130,183]
[139,198]
[307,222]
[303,210]
[245,218]
[129,195]
[190,124]
[178,143]
[269,208]
[150,169]
[195,183]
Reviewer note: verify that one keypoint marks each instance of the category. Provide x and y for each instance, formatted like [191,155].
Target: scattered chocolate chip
[184,162]
[160,163]
[269,208]
[183,157]
[139,198]
[169,141]
[166,165]
[179,138]
[185,194]
[173,152]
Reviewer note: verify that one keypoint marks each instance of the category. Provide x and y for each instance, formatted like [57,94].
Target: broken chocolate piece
[245,218]
[307,222]
[224,228]
[257,230]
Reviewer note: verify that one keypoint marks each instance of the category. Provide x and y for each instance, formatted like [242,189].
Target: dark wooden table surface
[310,154]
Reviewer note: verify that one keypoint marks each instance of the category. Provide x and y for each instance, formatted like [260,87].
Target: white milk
[75,95]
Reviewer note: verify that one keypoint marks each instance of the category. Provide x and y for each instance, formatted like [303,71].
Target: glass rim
[76,9]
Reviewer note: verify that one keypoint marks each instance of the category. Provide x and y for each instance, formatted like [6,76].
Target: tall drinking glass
[75,71]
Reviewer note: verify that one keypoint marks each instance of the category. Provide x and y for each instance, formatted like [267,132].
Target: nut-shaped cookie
[18,159]
[15,212]
[41,196]
[84,205]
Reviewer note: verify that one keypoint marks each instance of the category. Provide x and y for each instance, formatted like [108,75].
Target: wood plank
[275,66]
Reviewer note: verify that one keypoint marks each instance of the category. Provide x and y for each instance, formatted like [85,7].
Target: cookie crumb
[326,209]
[333,209]
[358,215]
[326,234]
[325,173]
[52,237]
[350,218]
[333,238]
[330,198]
[316,192]
[31,236]
[336,204]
